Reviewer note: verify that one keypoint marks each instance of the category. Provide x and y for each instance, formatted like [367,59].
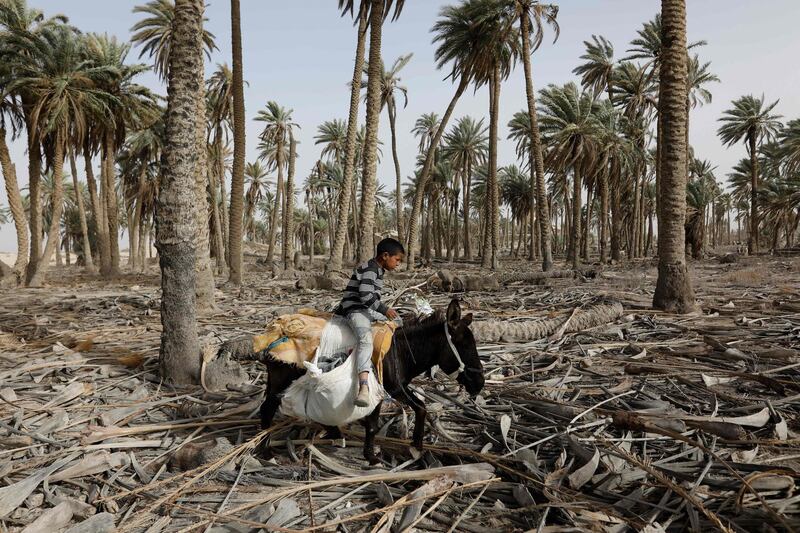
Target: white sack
[327,398]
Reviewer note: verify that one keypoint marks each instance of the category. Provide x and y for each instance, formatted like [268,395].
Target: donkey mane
[414,324]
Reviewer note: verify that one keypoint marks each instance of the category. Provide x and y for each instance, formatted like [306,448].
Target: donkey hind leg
[279,377]
[332,432]
[370,423]
[408,398]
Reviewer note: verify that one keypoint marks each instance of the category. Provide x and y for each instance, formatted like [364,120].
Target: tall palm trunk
[575,230]
[15,203]
[101,228]
[398,193]
[112,208]
[87,248]
[176,219]
[466,179]
[536,148]
[345,196]
[204,274]
[493,127]
[427,169]
[135,220]
[673,289]
[53,237]
[369,173]
[287,227]
[237,174]
[273,219]
[219,232]
[752,237]
[34,185]
[587,228]
[603,217]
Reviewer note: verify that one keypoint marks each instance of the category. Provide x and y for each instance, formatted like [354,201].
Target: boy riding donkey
[361,305]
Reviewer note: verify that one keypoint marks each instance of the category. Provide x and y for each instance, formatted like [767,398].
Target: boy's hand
[391,313]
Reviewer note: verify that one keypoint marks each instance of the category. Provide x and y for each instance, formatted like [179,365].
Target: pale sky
[300,54]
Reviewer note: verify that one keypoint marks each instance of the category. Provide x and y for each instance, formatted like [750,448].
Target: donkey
[416,348]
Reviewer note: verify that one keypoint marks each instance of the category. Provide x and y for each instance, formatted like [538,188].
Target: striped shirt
[363,291]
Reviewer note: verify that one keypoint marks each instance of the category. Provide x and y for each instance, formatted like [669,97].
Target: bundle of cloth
[322,343]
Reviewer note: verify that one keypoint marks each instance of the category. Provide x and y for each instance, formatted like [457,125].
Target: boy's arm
[368,292]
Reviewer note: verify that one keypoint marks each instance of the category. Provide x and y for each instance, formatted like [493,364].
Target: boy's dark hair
[390,246]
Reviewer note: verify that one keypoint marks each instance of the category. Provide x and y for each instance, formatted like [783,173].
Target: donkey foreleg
[420,412]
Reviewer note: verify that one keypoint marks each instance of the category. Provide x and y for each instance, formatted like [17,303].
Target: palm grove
[598,159]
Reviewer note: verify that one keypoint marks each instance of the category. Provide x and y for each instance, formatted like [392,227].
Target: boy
[361,304]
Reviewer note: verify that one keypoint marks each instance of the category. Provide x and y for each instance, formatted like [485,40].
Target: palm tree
[570,129]
[466,147]
[11,118]
[389,84]
[66,93]
[752,121]
[461,44]
[425,129]
[790,145]
[255,177]
[81,212]
[134,107]
[219,91]
[369,178]
[155,35]
[276,135]
[343,207]
[674,288]
[237,171]
[24,26]
[176,220]
[531,13]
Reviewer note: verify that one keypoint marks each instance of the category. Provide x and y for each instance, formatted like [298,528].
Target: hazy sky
[300,54]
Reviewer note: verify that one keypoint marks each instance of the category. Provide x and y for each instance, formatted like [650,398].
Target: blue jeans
[361,320]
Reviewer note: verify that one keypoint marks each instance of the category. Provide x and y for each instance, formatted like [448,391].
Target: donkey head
[462,357]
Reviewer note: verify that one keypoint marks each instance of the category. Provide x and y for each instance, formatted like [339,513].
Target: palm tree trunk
[273,223]
[34,184]
[219,237]
[345,197]
[15,204]
[144,233]
[134,225]
[467,184]
[427,170]
[587,224]
[398,193]
[87,248]
[204,273]
[536,147]
[369,173]
[103,247]
[176,231]
[752,238]
[575,233]
[237,173]
[111,203]
[53,237]
[603,217]
[223,193]
[288,215]
[493,126]
[673,289]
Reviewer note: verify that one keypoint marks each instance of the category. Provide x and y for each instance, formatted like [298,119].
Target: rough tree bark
[237,174]
[542,208]
[175,217]
[673,289]
[87,247]
[37,277]
[15,204]
[369,173]
[287,227]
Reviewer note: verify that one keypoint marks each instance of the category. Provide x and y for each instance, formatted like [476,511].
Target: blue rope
[277,342]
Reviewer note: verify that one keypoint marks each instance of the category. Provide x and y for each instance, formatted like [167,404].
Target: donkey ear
[467,320]
[453,313]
